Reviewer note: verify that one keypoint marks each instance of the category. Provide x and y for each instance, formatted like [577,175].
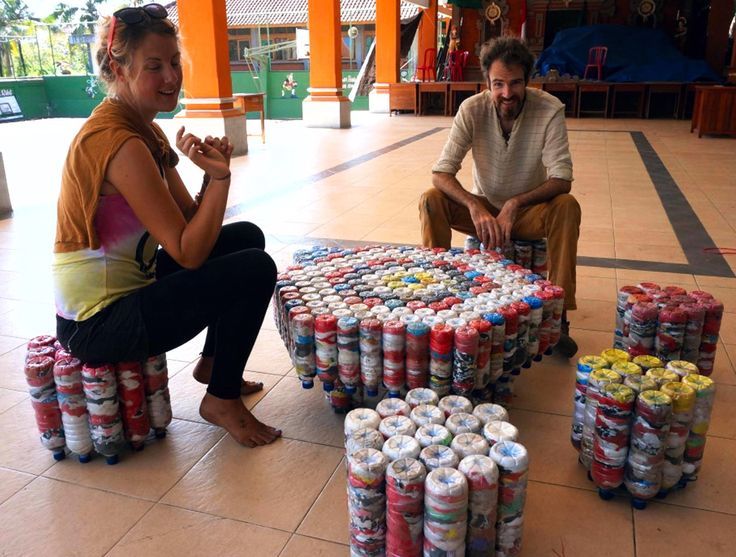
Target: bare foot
[237,420]
[203,374]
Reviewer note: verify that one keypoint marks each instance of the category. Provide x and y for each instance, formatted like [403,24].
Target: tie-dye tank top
[88,280]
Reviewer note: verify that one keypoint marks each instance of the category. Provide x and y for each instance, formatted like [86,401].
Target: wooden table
[457,87]
[714,110]
[620,89]
[566,91]
[402,96]
[662,88]
[433,87]
[597,87]
[252,102]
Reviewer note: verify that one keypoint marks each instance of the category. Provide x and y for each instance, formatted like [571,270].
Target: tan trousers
[557,220]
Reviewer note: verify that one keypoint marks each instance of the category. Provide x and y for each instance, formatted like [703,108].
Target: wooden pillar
[388,45]
[208,90]
[427,31]
[325,107]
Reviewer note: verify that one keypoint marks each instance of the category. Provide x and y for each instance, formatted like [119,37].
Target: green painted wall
[30,94]
[75,96]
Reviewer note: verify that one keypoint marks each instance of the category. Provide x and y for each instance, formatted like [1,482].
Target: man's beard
[509,111]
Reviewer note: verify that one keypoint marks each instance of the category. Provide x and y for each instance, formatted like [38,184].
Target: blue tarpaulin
[635,54]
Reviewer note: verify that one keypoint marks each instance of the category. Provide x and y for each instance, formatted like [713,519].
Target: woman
[118,297]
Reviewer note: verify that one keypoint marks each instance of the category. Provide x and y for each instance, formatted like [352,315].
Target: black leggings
[229,294]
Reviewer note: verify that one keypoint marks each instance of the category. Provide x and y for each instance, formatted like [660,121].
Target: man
[522,171]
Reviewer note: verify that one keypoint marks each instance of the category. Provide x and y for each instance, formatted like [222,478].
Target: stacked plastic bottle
[662,444]
[81,408]
[506,316]
[456,496]
[669,323]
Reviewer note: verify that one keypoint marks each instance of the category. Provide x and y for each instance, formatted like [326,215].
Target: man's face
[507,87]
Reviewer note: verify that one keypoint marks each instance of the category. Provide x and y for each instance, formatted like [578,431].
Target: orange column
[388,44]
[203,31]
[427,31]
[208,91]
[325,106]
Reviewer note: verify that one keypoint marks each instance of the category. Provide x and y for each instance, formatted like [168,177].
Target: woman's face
[152,81]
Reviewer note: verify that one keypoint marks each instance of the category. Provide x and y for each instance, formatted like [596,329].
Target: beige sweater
[536,151]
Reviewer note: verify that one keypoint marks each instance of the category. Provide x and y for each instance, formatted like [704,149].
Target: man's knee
[567,205]
[430,201]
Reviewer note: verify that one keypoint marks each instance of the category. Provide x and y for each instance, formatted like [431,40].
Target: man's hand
[506,219]
[486,226]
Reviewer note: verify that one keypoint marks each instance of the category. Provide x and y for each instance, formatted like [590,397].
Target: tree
[14,16]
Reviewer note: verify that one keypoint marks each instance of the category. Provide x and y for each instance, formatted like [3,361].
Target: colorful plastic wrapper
[418,396]
[596,381]
[585,365]
[105,425]
[693,331]
[425,414]
[482,475]
[711,331]
[360,418]
[611,438]
[466,444]
[394,356]
[640,383]
[647,362]
[397,425]
[613,355]
[325,349]
[489,412]
[463,423]
[670,333]
[620,332]
[705,391]
[682,368]
[393,407]
[340,399]
[683,404]
[367,502]
[132,396]
[364,438]
[642,329]
[304,357]
[158,400]
[401,446]
[495,432]
[73,406]
[417,354]
[445,512]
[645,461]
[464,360]
[483,359]
[512,460]
[405,508]
[438,456]
[371,359]
[39,372]
[454,404]
[662,376]
[433,434]
[441,339]
[348,354]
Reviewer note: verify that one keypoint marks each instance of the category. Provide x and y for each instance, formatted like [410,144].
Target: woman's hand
[222,144]
[204,155]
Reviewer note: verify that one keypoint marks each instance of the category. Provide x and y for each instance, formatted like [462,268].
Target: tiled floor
[197,492]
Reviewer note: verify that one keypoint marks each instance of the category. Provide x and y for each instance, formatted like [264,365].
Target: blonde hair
[127,38]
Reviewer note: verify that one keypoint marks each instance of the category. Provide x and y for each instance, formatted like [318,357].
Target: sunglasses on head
[134,16]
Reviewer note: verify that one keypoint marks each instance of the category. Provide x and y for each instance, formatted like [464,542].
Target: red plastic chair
[427,67]
[596,60]
[458,65]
